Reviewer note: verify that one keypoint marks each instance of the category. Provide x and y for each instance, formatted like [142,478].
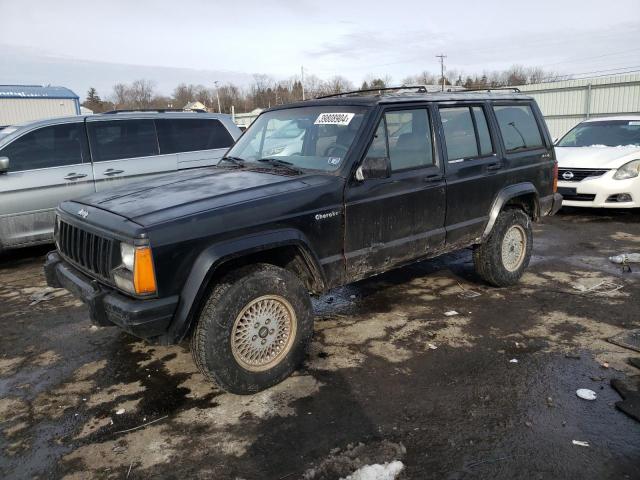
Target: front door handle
[111,171]
[492,167]
[432,178]
[75,176]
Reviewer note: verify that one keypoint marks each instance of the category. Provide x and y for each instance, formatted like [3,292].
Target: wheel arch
[286,248]
[523,195]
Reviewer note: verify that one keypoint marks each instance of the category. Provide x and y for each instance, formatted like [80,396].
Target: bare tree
[120,95]
[141,92]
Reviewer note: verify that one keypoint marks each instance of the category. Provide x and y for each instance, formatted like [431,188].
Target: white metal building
[565,104]
[22,103]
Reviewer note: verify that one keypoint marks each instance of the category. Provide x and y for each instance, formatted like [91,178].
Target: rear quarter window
[518,127]
[189,135]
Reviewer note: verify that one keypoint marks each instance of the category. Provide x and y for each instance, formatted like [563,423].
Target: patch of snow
[450,313]
[388,471]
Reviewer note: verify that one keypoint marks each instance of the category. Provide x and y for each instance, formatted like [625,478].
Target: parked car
[228,255]
[599,163]
[45,162]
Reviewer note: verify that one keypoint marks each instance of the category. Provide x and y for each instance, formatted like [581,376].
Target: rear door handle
[432,178]
[75,176]
[492,167]
[111,171]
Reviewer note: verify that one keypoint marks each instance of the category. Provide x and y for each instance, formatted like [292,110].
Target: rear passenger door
[126,150]
[198,142]
[46,166]
[474,170]
[393,220]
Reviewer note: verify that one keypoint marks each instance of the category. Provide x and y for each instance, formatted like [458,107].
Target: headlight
[276,150]
[127,254]
[136,273]
[628,170]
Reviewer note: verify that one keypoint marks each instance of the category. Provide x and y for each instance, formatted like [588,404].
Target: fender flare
[506,194]
[215,255]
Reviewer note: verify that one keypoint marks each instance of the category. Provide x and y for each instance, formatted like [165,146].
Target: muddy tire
[253,330]
[503,257]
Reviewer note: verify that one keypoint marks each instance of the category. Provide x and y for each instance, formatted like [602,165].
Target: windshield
[610,133]
[316,138]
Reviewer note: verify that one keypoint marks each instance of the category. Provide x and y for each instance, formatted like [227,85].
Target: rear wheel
[254,329]
[503,257]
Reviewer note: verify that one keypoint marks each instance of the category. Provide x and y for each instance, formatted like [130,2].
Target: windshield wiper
[234,160]
[277,162]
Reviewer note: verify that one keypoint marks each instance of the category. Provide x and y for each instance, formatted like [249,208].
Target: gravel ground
[389,378]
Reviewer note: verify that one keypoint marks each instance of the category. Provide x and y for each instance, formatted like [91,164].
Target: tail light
[555,176]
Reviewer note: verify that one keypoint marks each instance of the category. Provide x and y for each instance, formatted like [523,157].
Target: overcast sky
[93,42]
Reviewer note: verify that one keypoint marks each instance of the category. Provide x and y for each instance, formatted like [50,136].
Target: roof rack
[158,110]
[417,88]
[487,89]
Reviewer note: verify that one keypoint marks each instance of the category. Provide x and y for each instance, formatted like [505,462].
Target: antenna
[441,57]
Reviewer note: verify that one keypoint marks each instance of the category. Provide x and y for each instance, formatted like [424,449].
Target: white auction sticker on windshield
[334,118]
[634,122]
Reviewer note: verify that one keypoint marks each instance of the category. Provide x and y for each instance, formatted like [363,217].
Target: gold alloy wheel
[514,247]
[263,333]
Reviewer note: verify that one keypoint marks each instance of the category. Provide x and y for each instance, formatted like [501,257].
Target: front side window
[316,138]
[405,137]
[189,135]
[518,127]
[608,133]
[47,147]
[119,139]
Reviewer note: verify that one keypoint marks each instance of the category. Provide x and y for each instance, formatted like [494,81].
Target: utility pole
[441,57]
[218,95]
[302,81]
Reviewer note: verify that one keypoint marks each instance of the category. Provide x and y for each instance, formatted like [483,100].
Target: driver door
[390,221]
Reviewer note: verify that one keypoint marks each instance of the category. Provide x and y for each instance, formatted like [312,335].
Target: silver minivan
[45,162]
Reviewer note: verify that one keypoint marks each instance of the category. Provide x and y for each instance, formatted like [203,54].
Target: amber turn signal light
[144,278]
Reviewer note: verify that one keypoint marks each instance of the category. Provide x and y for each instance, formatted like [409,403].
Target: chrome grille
[88,250]
[579,174]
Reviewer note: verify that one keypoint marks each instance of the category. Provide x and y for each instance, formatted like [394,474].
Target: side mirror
[4,164]
[374,167]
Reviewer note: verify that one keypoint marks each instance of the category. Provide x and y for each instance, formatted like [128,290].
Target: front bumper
[550,205]
[143,318]
[597,192]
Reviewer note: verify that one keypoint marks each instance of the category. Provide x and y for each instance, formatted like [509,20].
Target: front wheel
[503,257]
[254,329]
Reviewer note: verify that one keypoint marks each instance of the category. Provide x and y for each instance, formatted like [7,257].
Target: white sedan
[599,163]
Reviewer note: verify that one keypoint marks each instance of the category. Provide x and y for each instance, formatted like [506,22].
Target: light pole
[218,95]
[441,57]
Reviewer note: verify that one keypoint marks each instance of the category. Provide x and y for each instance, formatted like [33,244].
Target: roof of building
[36,91]
[195,106]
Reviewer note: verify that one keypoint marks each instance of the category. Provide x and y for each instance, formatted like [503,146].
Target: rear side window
[466,132]
[118,139]
[47,147]
[518,127]
[189,135]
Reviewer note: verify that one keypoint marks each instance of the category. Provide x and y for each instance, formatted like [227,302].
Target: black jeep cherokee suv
[314,195]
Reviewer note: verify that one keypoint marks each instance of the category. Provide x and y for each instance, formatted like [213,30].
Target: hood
[182,193]
[596,157]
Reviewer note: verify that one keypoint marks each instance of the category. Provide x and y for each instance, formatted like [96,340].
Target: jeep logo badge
[567,175]
[83,213]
